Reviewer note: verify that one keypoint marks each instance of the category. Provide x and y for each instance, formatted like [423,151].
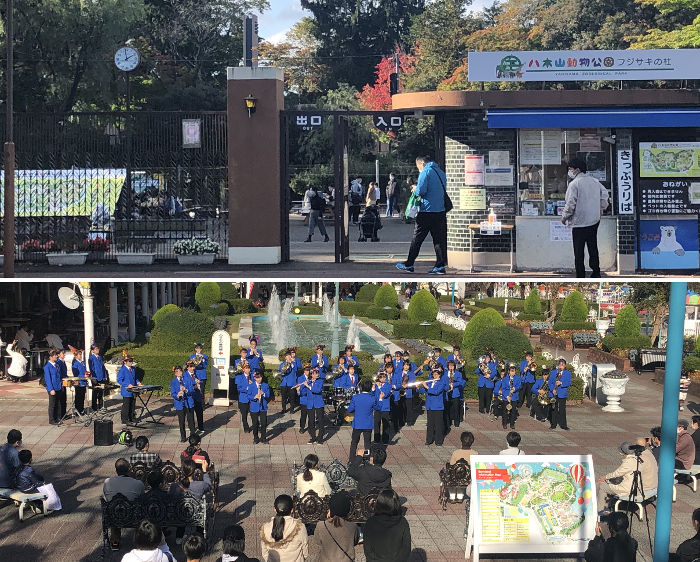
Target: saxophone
[284,368]
[509,406]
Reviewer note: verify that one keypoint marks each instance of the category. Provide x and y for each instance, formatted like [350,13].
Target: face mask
[571,174]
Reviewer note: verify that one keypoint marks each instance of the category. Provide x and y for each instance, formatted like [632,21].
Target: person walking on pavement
[586,199]
[357,193]
[318,206]
[391,196]
[432,217]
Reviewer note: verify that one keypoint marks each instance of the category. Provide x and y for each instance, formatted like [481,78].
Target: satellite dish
[68,298]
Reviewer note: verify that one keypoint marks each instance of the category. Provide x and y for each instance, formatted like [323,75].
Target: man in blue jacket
[10,465]
[52,376]
[182,390]
[288,374]
[259,393]
[97,369]
[434,406]
[201,363]
[559,383]
[431,218]
[363,406]
[302,390]
[242,382]
[126,377]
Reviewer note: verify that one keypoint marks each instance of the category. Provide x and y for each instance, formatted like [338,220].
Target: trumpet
[284,368]
[321,363]
[198,358]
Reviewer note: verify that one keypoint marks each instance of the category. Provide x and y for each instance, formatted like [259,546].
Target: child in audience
[194,548]
[28,479]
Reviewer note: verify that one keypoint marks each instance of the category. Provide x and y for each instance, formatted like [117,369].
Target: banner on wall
[669,159]
[669,243]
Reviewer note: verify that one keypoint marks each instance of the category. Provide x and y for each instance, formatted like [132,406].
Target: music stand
[72,412]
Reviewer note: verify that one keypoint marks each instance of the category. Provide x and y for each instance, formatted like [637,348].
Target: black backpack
[318,203]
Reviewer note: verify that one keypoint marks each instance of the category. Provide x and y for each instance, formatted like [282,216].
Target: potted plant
[96,247]
[35,250]
[135,252]
[613,385]
[196,251]
[67,252]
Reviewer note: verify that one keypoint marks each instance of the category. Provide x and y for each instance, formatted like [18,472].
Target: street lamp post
[335,343]
[9,153]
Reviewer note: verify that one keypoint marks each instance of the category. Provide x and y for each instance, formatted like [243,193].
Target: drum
[70,381]
[339,393]
[350,392]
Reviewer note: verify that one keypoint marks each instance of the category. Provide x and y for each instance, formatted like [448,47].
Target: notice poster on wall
[560,232]
[669,159]
[540,146]
[471,199]
[669,243]
[535,504]
[474,169]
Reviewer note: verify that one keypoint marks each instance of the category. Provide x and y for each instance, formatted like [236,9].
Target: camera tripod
[636,489]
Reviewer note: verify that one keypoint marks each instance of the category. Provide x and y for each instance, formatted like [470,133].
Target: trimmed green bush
[163,311]
[367,292]
[403,314]
[380,313]
[451,335]
[386,296]
[240,306]
[411,330]
[561,325]
[574,309]
[423,307]
[206,295]
[218,309]
[627,322]
[532,304]
[308,308]
[508,343]
[613,341]
[177,332]
[229,292]
[691,363]
[482,320]
[531,317]
[499,302]
[358,308]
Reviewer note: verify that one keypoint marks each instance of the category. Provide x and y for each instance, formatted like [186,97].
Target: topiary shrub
[411,330]
[178,331]
[206,295]
[348,308]
[574,309]
[229,292]
[627,322]
[423,307]
[367,292]
[451,335]
[163,311]
[381,313]
[508,343]
[218,309]
[613,341]
[386,296]
[531,317]
[241,306]
[482,320]
[691,363]
[532,304]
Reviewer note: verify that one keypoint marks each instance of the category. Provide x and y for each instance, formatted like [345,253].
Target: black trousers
[542,412]
[202,387]
[54,408]
[586,236]
[485,397]
[181,415]
[259,424]
[128,409]
[354,212]
[381,424]
[303,418]
[63,400]
[434,224]
[396,415]
[199,413]
[80,398]
[287,393]
[454,411]
[412,409]
[98,398]
[355,440]
[435,432]
[244,408]
[316,423]
[559,414]
[508,417]
[525,394]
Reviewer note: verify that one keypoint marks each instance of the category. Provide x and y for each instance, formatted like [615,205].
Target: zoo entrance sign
[560,66]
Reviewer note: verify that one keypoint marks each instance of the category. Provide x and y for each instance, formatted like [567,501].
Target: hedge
[562,325]
[206,295]
[508,343]
[405,329]
[487,318]
[498,303]
[423,307]
[613,341]
[229,292]
[691,363]
[531,317]
[163,311]
[309,308]
[451,335]
[532,304]
[358,308]
[180,330]
[367,292]
[240,306]
[627,322]
[218,309]
[574,309]
[380,313]
[386,296]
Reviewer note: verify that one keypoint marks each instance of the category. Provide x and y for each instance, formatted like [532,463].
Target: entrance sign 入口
[474,169]
[625,191]
[387,122]
[534,504]
[561,66]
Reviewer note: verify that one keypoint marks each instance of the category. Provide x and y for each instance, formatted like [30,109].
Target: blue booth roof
[589,117]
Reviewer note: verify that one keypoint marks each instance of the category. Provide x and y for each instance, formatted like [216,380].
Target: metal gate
[119,182]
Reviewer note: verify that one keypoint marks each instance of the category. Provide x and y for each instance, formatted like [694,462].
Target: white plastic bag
[53,502]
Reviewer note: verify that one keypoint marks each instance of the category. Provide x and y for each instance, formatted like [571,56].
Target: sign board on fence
[472,199]
[220,361]
[474,169]
[490,228]
[669,159]
[534,504]
[561,66]
[191,133]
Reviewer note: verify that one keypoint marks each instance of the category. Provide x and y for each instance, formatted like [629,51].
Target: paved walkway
[251,476]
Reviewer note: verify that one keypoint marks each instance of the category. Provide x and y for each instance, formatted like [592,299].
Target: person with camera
[620,547]
[619,481]
[689,550]
[368,469]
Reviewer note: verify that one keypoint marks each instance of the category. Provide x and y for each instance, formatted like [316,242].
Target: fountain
[327,310]
[278,317]
[353,337]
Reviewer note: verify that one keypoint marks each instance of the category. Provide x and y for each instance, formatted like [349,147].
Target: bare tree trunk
[659,313]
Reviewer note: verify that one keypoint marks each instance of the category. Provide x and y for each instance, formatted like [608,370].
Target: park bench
[312,508]
[22,500]
[537,327]
[336,473]
[649,499]
[455,480]
[585,339]
[691,475]
[172,473]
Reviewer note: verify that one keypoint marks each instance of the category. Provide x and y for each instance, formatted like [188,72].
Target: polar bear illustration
[668,242]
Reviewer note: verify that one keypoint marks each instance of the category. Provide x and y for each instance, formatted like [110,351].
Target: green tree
[423,307]
[574,309]
[677,26]
[653,297]
[486,318]
[386,296]
[532,303]
[507,343]
[206,295]
[627,322]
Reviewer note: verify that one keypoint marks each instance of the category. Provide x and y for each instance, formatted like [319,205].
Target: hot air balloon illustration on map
[578,473]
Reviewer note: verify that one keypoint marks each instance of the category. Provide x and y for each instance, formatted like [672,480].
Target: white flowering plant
[195,247]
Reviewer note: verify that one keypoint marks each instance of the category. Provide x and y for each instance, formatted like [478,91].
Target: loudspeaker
[104,432]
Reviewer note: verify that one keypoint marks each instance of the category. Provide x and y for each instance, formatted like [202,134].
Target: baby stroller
[370,223]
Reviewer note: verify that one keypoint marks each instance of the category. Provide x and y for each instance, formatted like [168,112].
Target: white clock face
[126,59]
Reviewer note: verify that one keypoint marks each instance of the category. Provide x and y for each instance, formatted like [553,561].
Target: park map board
[535,504]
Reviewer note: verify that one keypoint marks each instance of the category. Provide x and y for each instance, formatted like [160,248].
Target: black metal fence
[119,182]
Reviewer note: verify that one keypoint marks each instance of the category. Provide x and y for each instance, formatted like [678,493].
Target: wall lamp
[250,101]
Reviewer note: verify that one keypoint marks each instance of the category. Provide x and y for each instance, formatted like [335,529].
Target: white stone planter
[196,259]
[134,258]
[614,389]
[61,258]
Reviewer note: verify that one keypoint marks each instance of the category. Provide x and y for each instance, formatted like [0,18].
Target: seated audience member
[27,479]
[194,548]
[689,550]
[387,535]
[18,367]
[620,547]
[188,484]
[149,545]
[122,484]
[194,449]
[142,455]
[513,440]
[10,465]
[154,479]
[685,448]
[696,438]
[312,479]
[233,549]
[336,536]
[369,470]
[619,482]
[284,538]
[655,442]
[467,438]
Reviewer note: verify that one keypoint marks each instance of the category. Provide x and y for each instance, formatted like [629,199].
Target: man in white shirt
[586,199]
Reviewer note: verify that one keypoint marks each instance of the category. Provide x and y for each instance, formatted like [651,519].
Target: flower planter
[134,258]
[195,259]
[553,341]
[76,258]
[596,355]
[614,388]
[32,256]
[96,256]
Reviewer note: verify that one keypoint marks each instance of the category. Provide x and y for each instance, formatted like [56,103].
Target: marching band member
[434,406]
[541,408]
[299,369]
[339,372]
[507,389]
[496,403]
[79,370]
[363,405]
[320,362]
[454,395]
[126,377]
[559,383]
[527,375]
[201,363]
[439,359]
[238,366]
[196,395]
[242,382]
[525,363]
[303,391]
[349,379]
[350,358]
[52,377]
[487,374]
[397,412]
[63,395]
[97,369]
[408,375]
[259,394]
[181,390]
[315,407]
[398,360]
[382,392]
[255,356]
[456,356]
[288,373]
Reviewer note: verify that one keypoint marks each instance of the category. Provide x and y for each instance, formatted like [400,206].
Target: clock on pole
[127,58]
